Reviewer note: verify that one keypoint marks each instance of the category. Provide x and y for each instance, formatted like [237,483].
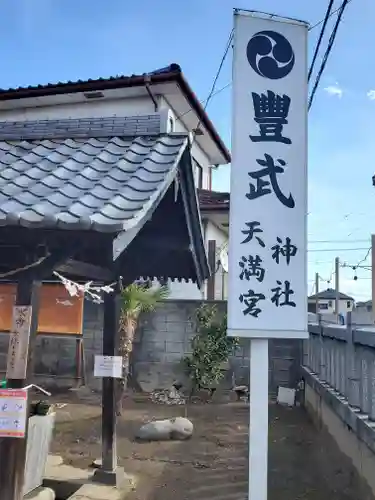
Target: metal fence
[343,357]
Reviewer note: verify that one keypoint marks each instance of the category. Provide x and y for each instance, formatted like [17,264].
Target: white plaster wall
[198,154]
[190,291]
[130,106]
[343,309]
[185,291]
[221,277]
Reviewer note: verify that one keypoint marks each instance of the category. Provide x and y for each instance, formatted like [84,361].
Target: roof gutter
[201,112]
[149,91]
[175,75]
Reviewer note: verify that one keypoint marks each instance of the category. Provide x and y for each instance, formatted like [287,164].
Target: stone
[178,428]
[54,460]
[170,396]
[41,494]
[96,464]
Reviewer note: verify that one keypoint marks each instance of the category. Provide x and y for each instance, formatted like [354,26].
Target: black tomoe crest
[270,55]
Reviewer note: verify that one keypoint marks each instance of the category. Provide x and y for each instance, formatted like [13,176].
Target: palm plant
[136,299]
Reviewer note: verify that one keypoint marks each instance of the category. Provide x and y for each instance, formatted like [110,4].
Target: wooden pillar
[109,473]
[212,264]
[13,450]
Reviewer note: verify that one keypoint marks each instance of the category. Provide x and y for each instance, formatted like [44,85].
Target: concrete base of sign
[110,478]
[41,494]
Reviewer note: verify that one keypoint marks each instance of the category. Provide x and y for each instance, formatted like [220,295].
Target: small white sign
[19,343]
[108,366]
[267,295]
[13,413]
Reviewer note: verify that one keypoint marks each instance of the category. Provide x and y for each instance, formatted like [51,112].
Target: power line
[360,278]
[325,20]
[360,262]
[329,279]
[328,51]
[365,257]
[319,262]
[227,47]
[335,249]
[204,101]
[354,267]
[339,241]
[322,20]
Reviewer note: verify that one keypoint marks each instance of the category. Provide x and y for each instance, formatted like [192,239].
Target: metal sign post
[267,243]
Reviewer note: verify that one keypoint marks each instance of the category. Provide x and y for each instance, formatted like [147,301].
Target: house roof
[365,303]
[213,200]
[169,74]
[330,294]
[112,183]
[100,184]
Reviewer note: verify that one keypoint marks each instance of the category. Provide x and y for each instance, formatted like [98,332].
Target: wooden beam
[13,450]
[36,267]
[163,243]
[110,473]
[83,269]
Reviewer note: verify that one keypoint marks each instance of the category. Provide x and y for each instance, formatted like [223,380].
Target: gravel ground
[304,463]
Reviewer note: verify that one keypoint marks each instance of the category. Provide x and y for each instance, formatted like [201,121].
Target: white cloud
[360,289]
[334,90]
[371,95]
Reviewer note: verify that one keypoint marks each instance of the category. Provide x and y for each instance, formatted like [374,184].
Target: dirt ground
[304,463]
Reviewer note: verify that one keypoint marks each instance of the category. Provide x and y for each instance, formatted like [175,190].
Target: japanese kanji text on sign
[267,248]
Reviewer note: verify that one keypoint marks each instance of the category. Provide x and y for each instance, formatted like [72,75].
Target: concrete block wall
[55,360]
[162,339]
[353,432]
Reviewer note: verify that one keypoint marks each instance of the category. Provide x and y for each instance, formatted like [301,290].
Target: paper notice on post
[13,413]
[108,366]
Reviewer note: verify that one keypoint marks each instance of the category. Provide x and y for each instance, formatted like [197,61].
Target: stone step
[41,494]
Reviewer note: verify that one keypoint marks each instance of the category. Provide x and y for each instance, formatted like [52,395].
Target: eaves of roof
[213,201]
[172,73]
[330,294]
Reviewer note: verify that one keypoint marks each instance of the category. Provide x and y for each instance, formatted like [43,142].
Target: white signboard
[108,366]
[13,412]
[19,343]
[268,207]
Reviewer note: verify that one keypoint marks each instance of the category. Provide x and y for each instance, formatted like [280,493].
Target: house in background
[364,306]
[214,208]
[326,302]
[155,103]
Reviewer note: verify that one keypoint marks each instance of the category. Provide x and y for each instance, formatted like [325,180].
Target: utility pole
[337,286]
[373,275]
[316,293]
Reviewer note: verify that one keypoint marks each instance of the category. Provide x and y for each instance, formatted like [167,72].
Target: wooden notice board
[59,313]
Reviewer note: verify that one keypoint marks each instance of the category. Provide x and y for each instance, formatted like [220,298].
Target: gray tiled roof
[330,294]
[105,184]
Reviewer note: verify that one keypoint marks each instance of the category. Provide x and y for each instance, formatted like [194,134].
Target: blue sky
[51,40]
